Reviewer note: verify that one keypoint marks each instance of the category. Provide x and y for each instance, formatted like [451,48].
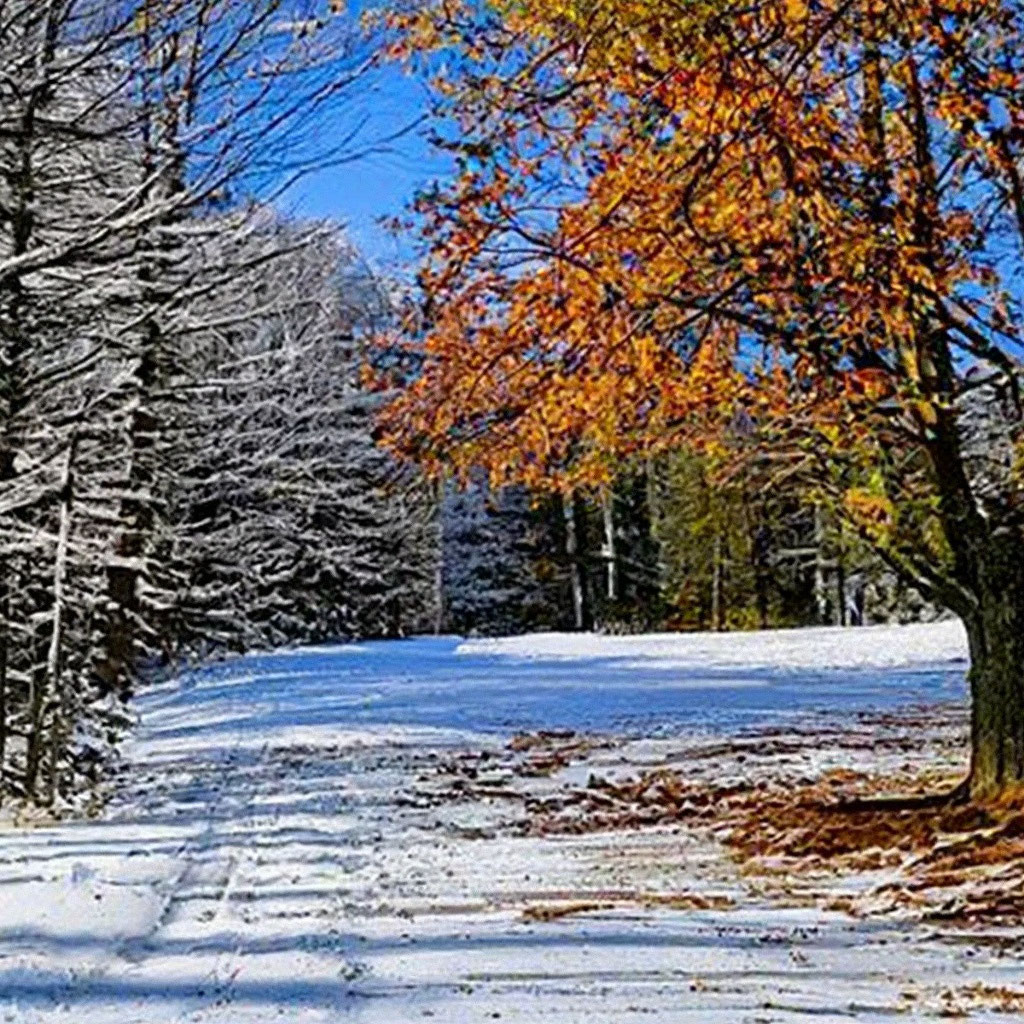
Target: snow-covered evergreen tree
[500,564]
[290,523]
[186,457]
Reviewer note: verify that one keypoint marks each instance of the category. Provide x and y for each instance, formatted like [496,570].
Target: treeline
[187,463]
[672,545]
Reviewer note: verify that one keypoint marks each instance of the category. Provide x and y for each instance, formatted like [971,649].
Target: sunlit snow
[267,857]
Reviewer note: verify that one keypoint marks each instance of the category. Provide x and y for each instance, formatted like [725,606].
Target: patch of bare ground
[553,911]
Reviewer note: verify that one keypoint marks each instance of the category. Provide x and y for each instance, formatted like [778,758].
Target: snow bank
[869,647]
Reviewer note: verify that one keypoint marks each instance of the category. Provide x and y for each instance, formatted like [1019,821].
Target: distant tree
[287,522]
[500,563]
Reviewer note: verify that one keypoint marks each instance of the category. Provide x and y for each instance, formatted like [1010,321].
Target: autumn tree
[802,217]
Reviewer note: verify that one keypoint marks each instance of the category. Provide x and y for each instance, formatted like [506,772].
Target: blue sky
[360,193]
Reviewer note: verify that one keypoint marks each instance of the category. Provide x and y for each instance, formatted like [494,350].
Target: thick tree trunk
[996,634]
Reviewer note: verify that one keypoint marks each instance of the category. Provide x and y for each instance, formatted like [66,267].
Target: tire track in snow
[202,879]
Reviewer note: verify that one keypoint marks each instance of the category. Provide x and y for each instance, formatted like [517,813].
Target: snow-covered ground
[875,647]
[279,849]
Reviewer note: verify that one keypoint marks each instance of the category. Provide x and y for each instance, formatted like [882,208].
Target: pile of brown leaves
[549,751]
[957,863]
[999,999]
[960,863]
[658,797]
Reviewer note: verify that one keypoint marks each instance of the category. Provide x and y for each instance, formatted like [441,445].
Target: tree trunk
[136,518]
[820,596]
[842,619]
[15,339]
[3,686]
[572,551]
[717,608]
[610,552]
[996,634]
[440,609]
[760,549]
[50,688]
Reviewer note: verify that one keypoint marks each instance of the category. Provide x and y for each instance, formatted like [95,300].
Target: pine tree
[501,571]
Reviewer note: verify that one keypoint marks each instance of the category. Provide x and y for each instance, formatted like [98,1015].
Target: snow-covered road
[275,852]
